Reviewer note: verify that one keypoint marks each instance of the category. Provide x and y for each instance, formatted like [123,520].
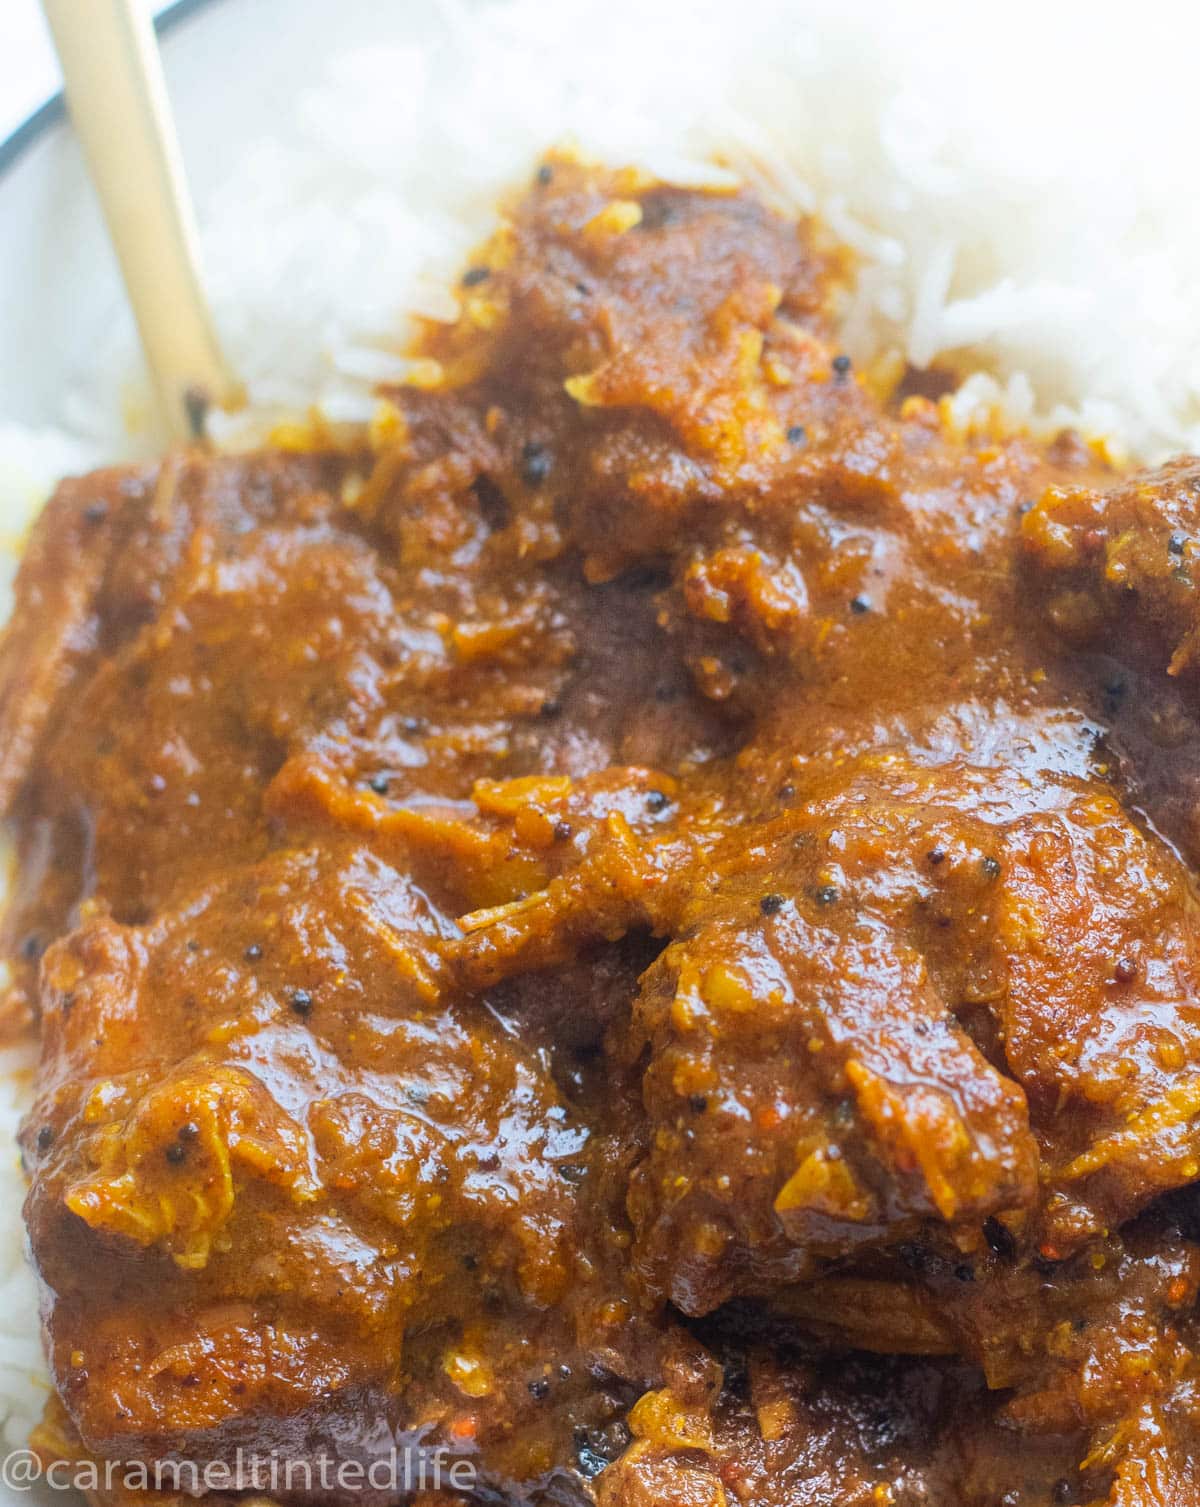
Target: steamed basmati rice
[22,1390]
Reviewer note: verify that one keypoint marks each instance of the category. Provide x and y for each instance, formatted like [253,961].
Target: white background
[28,70]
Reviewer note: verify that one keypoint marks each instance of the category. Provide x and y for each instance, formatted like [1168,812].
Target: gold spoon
[118,103]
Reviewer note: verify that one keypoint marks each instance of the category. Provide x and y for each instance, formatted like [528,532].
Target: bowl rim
[31,130]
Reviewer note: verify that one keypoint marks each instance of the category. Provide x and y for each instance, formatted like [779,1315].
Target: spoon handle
[118,103]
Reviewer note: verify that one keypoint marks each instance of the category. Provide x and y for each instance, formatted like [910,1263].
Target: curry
[638,923]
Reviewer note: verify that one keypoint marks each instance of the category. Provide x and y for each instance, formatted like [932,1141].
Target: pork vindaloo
[639,924]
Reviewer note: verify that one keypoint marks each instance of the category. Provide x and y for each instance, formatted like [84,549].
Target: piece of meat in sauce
[904,1005]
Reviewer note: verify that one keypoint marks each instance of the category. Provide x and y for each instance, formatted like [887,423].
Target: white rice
[1019,183]
[22,1385]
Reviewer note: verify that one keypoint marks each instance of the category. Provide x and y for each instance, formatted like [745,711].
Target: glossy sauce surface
[641,925]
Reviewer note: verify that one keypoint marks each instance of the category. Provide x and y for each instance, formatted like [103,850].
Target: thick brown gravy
[641,927]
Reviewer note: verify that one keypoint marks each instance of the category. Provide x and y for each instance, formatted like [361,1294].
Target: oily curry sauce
[639,925]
